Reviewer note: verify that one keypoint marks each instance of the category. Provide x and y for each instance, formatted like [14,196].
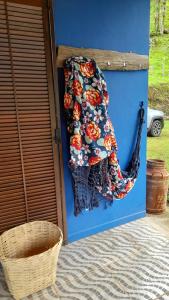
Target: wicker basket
[29,255]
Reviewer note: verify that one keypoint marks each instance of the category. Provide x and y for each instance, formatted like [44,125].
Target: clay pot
[157,186]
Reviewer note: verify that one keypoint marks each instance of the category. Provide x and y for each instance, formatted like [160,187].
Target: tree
[163,13]
[160,11]
[157,16]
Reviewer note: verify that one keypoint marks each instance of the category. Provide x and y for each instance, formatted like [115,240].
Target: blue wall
[116,25]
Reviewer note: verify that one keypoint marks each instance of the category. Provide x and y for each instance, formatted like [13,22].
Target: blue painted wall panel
[116,25]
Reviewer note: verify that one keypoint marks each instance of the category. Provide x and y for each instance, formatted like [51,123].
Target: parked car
[155,122]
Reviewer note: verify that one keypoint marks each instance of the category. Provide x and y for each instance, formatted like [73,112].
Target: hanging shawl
[93,148]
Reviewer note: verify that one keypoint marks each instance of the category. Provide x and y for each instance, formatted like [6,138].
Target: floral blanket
[93,147]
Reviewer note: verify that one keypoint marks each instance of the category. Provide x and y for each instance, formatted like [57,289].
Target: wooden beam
[106,59]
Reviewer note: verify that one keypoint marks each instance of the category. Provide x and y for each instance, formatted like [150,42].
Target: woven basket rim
[5,258]
[28,223]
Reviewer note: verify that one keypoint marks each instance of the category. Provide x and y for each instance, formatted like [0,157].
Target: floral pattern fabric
[86,99]
[92,138]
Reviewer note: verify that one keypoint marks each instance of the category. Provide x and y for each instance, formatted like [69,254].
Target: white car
[155,122]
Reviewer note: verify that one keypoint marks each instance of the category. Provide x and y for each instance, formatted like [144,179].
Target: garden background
[159,76]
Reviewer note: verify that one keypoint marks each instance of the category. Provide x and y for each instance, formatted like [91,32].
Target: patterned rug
[127,262]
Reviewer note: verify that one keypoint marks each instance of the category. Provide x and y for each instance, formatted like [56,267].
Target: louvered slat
[38,177]
[11,179]
[27,173]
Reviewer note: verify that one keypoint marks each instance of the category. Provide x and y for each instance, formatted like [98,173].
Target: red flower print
[67,100]
[76,111]
[94,160]
[93,131]
[105,97]
[76,141]
[93,97]
[113,187]
[120,195]
[87,69]
[119,174]
[109,142]
[77,88]
[113,158]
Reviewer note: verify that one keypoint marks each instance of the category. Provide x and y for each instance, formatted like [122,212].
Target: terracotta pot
[157,186]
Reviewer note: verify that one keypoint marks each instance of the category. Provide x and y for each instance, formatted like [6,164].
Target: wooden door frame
[57,135]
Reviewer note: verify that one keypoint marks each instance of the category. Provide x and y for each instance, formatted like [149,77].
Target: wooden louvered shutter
[30,184]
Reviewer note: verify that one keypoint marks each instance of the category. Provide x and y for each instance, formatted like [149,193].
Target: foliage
[159,85]
[159,64]
[159,97]
[152,17]
[159,50]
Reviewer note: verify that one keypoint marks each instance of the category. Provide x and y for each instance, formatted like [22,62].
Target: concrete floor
[129,262]
[161,221]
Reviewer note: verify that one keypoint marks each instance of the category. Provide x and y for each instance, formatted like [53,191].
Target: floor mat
[127,262]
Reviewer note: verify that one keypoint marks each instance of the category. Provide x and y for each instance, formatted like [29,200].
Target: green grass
[159,60]
[158,147]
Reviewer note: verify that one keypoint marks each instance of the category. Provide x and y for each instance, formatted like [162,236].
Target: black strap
[134,164]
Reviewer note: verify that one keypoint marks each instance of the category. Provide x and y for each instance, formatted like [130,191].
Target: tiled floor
[161,220]
[127,262]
